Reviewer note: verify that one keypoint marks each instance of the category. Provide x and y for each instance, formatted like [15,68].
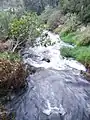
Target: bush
[66,52]
[82,54]
[10,56]
[55,19]
[70,24]
[5,19]
[70,38]
[80,7]
[83,37]
[26,27]
[46,14]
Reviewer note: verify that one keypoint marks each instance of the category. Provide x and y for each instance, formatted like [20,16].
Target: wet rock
[5,45]
[86,75]
[30,69]
[55,116]
[87,68]
[46,60]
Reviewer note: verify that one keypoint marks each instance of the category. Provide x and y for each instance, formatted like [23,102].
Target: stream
[56,91]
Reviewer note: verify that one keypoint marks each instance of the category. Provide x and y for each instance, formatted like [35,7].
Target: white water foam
[53,54]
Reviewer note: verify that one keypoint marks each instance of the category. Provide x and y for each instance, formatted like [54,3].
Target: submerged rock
[46,59]
[86,75]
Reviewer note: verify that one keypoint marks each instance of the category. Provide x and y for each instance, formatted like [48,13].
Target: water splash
[51,52]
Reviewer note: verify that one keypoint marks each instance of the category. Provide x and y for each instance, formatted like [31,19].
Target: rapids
[56,92]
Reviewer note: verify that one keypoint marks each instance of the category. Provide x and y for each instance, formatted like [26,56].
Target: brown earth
[5,45]
[12,76]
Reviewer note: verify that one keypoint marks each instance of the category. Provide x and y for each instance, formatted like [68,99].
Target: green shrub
[83,40]
[70,24]
[55,19]
[66,52]
[46,13]
[82,54]
[10,56]
[80,7]
[5,19]
[83,37]
[26,27]
[70,38]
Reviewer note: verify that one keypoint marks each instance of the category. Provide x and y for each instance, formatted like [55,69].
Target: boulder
[5,45]
[46,60]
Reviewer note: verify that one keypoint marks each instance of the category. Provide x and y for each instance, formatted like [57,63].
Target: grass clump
[82,54]
[66,52]
[10,56]
[69,38]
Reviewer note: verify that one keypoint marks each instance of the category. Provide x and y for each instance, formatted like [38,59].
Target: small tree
[27,27]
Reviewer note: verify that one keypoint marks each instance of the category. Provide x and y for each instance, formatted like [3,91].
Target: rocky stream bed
[56,90]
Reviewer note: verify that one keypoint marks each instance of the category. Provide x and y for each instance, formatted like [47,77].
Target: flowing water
[56,91]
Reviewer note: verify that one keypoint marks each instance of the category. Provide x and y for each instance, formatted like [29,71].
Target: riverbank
[12,80]
[73,31]
[76,34]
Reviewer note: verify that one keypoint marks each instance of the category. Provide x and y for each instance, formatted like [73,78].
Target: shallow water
[56,92]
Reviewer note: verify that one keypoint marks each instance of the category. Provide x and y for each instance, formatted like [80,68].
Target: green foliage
[70,24]
[81,54]
[46,13]
[5,19]
[55,19]
[83,37]
[70,38]
[66,52]
[83,40]
[80,7]
[26,27]
[10,56]
[80,37]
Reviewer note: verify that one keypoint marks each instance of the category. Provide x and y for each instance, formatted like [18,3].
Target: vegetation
[19,28]
[10,56]
[80,7]
[39,5]
[15,30]
[80,37]
[71,20]
[82,54]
